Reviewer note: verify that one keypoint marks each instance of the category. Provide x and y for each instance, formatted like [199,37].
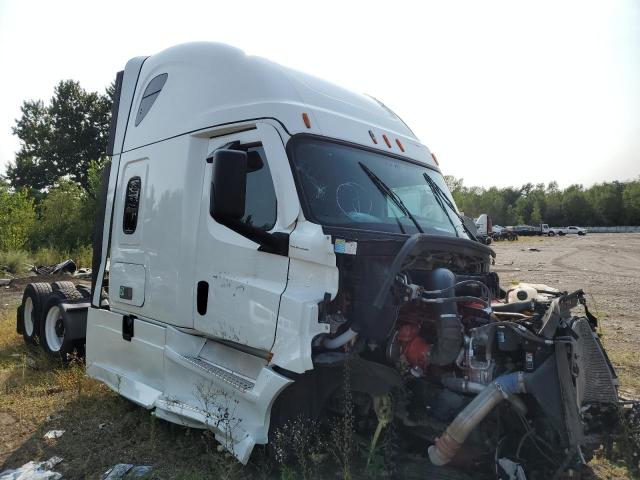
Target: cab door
[238,284]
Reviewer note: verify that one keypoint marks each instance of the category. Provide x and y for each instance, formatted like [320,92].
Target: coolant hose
[465,386]
[340,340]
[448,328]
[448,444]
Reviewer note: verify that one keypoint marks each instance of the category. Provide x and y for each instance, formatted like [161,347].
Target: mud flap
[20,320]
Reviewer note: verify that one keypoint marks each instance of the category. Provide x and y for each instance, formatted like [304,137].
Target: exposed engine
[488,375]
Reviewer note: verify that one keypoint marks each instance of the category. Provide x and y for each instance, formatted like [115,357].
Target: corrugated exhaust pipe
[448,444]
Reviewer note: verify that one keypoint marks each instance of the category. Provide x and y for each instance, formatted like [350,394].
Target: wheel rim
[54,329]
[27,316]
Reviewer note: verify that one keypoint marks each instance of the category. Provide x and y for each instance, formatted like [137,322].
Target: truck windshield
[350,187]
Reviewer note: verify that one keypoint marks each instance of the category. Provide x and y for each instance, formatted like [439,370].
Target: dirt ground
[102,429]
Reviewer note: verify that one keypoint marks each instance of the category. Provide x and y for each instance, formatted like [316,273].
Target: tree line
[49,195]
[603,204]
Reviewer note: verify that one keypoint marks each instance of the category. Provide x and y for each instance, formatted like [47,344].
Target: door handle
[202,297]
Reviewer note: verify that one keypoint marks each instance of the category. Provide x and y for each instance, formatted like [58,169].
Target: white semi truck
[263,229]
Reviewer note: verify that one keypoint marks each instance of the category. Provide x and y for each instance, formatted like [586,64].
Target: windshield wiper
[443,200]
[386,191]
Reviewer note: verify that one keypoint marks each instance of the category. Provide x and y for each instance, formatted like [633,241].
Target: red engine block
[413,347]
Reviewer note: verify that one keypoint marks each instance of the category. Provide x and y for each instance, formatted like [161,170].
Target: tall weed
[49,256]
[15,261]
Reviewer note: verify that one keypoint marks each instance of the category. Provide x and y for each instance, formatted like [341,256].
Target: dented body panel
[344,252]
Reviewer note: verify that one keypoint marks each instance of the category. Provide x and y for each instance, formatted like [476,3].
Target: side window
[149,96]
[260,200]
[131,205]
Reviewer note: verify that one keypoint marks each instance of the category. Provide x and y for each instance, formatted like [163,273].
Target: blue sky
[504,92]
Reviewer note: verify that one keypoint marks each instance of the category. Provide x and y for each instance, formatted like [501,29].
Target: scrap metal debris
[68,266]
[34,471]
[53,434]
[83,273]
[512,469]
[125,471]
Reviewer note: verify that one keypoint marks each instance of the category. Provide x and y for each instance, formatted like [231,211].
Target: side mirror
[228,185]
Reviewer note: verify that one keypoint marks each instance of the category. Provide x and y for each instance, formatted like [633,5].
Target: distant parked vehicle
[504,233]
[484,228]
[525,230]
[567,231]
[544,229]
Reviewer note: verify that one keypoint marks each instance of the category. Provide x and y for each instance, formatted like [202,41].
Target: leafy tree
[576,207]
[536,215]
[59,139]
[631,203]
[606,203]
[17,217]
[91,199]
[62,224]
[453,183]
[612,203]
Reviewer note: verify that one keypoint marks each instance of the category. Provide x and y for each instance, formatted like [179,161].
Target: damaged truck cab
[262,229]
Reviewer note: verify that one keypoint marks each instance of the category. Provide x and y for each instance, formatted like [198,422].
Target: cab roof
[209,84]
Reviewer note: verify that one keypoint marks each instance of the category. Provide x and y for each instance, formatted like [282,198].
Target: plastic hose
[340,340]
[447,445]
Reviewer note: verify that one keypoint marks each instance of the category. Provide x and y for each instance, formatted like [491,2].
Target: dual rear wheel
[32,304]
[44,321]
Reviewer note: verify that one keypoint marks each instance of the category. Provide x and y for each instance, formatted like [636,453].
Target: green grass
[15,262]
[49,256]
[18,262]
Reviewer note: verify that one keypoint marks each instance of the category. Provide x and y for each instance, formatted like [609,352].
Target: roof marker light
[435,159]
[400,145]
[373,137]
[305,119]
[386,140]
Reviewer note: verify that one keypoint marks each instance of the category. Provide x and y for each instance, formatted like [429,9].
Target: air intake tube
[447,445]
[448,328]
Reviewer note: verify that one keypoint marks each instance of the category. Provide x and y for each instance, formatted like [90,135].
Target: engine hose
[340,340]
[517,328]
[448,328]
[448,444]
[462,283]
[462,385]
[464,298]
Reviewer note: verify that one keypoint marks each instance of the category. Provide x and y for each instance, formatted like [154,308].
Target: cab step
[234,379]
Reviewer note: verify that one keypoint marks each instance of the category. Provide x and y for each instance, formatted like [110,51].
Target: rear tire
[85,290]
[63,285]
[33,299]
[68,293]
[551,234]
[52,325]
